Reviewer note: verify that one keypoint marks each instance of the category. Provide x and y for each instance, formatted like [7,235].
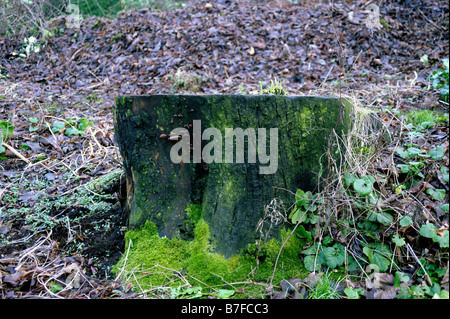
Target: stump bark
[233,194]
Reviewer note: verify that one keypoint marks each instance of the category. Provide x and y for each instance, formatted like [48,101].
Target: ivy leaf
[84,123]
[444,207]
[414,151]
[309,263]
[400,277]
[225,293]
[377,259]
[402,153]
[363,186]
[437,153]
[382,262]
[369,253]
[428,231]
[445,175]
[311,250]
[58,126]
[301,198]
[385,218]
[405,221]
[349,179]
[427,124]
[437,194]
[353,293]
[443,241]
[398,240]
[297,215]
[302,233]
[334,256]
[72,131]
[33,120]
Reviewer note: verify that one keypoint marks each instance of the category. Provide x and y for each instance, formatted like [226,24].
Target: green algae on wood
[232,195]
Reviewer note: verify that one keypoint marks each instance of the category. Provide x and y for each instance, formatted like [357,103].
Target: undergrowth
[367,218]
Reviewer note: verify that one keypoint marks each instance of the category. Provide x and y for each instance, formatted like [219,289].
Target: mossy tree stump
[233,190]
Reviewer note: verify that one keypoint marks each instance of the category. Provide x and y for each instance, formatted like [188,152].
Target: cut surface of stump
[233,154]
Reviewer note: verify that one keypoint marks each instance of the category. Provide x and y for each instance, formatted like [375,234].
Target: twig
[130,243]
[15,152]
[427,277]
[366,4]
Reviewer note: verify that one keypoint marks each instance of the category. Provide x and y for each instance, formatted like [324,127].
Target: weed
[275,88]
[77,126]
[188,81]
[324,289]
[440,80]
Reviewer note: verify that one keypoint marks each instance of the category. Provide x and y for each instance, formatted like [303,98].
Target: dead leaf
[389,293]
[381,280]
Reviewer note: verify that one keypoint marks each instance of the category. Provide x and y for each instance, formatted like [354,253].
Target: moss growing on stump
[233,195]
[159,264]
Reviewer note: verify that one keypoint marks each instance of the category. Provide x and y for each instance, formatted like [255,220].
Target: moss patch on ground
[156,264]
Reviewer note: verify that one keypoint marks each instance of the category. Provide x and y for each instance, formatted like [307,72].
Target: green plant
[437,153]
[33,121]
[353,293]
[379,256]
[411,168]
[319,255]
[95,98]
[6,130]
[436,194]
[324,289]
[424,59]
[77,126]
[275,88]
[3,74]
[422,119]
[411,152]
[444,174]
[429,231]
[242,90]
[30,45]
[440,80]
[363,186]
[302,205]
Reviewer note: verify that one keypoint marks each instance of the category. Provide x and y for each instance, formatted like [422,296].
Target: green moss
[156,261]
[194,212]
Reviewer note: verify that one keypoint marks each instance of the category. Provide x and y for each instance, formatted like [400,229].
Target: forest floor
[61,188]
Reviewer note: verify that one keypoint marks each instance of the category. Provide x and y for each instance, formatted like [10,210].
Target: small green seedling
[440,80]
[76,126]
[276,88]
[33,121]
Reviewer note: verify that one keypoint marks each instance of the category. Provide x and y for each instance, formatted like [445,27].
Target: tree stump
[231,153]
